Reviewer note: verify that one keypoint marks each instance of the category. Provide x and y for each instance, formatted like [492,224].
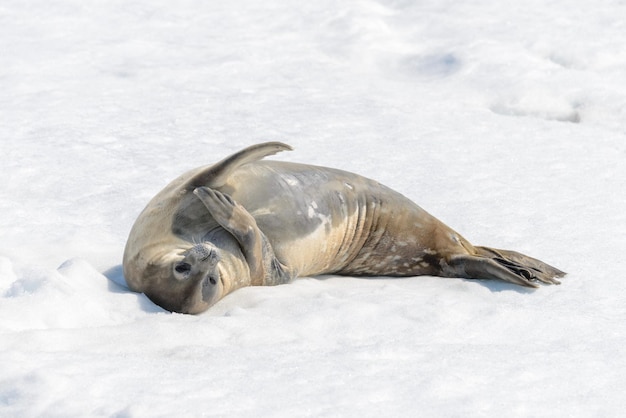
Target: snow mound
[74,296]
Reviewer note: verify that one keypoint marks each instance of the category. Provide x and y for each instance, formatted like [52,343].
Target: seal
[245,221]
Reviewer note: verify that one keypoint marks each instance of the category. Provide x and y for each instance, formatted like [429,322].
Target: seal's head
[184,281]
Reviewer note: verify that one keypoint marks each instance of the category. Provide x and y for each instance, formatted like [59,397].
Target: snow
[503,119]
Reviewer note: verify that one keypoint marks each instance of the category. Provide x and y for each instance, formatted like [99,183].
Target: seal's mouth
[205,252]
[206,257]
[201,251]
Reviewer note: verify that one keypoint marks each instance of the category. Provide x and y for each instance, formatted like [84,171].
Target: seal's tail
[510,266]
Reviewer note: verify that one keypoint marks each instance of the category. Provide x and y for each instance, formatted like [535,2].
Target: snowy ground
[504,119]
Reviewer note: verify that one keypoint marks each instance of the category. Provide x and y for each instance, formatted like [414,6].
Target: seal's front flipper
[217,174]
[510,266]
[264,267]
[228,213]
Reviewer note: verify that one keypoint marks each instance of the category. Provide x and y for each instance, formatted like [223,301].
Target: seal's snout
[205,253]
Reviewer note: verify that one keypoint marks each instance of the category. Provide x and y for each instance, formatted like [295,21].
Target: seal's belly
[321,220]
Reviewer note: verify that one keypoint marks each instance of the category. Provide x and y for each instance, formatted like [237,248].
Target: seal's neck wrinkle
[232,267]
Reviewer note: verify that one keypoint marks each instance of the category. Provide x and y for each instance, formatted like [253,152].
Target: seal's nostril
[212,280]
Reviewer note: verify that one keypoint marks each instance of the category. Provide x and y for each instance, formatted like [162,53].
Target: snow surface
[504,119]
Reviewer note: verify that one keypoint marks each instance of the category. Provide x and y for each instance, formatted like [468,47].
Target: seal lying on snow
[247,222]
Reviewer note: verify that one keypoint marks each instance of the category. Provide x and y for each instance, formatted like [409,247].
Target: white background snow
[504,119]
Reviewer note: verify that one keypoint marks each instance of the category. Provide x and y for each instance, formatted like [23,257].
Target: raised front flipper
[265,269]
[217,174]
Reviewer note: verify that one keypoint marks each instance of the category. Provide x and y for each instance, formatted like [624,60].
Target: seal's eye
[183,268]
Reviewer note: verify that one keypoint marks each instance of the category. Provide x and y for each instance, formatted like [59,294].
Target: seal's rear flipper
[216,175]
[510,266]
